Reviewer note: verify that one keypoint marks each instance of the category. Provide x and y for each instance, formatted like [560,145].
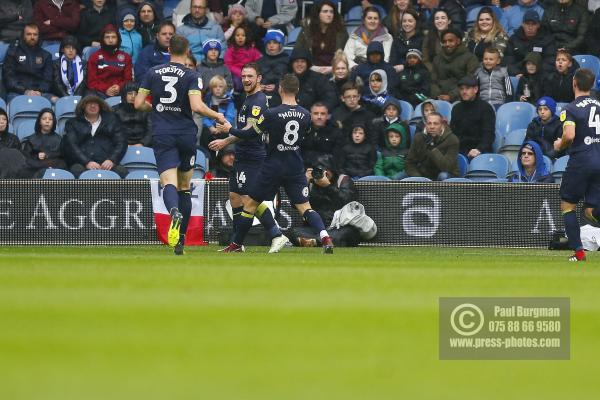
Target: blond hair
[216,80]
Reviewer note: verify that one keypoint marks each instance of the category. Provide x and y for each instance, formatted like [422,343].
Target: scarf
[363,33]
[71,73]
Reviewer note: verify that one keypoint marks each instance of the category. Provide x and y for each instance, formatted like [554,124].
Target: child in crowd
[390,162]
[427,108]
[530,83]
[546,127]
[357,158]
[391,114]
[494,82]
[69,70]
[131,40]
[274,64]
[211,65]
[236,16]
[42,149]
[414,79]
[374,99]
[559,83]
[240,51]
[220,100]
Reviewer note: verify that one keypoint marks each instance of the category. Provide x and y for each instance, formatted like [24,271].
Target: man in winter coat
[93,20]
[56,18]
[197,28]
[322,137]
[514,15]
[137,126]
[529,37]
[15,14]
[568,23]
[155,53]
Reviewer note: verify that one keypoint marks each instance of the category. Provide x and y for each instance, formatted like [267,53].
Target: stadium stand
[488,166]
[53,49]
[98,174]
[2,104]
[559,107]
[407,110]
[458,180]
[559,168]
[25,107]
[25,128]
[512,116]
[57,174]
[65,109]
[3,49]
[113,101]
[463,164]
[374,178]
[416,179]
[512,144]
[137,157]
[589,61]
[143,174]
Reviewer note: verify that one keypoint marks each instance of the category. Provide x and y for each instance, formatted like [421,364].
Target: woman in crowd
[371,29]
[393,21]
[321,35]
[42,149]
[432,43]
[487,32]
[409,38]
[340,73]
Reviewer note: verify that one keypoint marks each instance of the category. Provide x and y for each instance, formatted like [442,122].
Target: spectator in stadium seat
[375,60]
[427,108]
[148,22]
[274,63]
[514,15]
[131,40]
[271,14]
[42,149]
[136,125]
[546,127]
[391,114]
[358,156]
[7,139]
[452,64]
[432,43]
[198,28]
[532,168]
[376,94]
[456,12]
[109,69]
[434,154]
[240,52]
[28,68]
[15,14]
[568,23]
[473,120]
[494,83]
[393,21]
[351,113]
[409,38]
[313,85]
[414,80]
[69,69]
[155,53]
[487,32]
[322,138]
[219,98]
[559,83]
[371,30]
[592,37]
[391,161]
[340,74]
[530,85]
[93,20]
[224,164]
[157,5]
[236,16]
[322,34]
[94,139]
[530,37]
[56,19]
[212,65]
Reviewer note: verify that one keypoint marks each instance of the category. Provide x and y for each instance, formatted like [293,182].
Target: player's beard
[251,88]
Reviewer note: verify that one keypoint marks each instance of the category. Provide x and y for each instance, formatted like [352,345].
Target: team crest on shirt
[22,58]
[39,60]
[121,57]
[563,115]
[256,111]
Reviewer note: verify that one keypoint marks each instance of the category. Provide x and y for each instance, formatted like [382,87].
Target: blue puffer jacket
[150,56]
[131,41]
[196,34]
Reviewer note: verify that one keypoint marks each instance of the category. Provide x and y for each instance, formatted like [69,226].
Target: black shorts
[270,179]
[174,151]
[580,184]
[243,176]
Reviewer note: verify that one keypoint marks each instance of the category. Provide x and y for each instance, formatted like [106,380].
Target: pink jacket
[236,57]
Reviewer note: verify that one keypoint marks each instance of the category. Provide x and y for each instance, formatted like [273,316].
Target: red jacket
[105,69]
[63,21]
[236,57]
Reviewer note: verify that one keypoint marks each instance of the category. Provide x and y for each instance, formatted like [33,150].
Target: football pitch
[92,323]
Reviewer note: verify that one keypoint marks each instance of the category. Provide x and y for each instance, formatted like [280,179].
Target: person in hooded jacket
[69,70]
[375,60]
[392,110]
[314,86]
[7,139]
[371,30]
[12,161]
[92,21]
[532,168]
[531,83]
[15,14]
[137,126]
[358,156]
[109,69]
[148,22]
[131,40]
[414,80]
[546,127]
[42,150]
[377,93]
[392,158]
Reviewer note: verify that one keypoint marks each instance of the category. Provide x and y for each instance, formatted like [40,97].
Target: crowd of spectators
[352,73]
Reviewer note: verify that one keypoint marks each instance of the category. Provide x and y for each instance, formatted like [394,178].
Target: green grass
[138,323]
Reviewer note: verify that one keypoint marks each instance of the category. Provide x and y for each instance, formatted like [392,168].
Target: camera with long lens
[317,173]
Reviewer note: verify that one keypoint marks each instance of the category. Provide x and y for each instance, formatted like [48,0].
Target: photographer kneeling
[330,192]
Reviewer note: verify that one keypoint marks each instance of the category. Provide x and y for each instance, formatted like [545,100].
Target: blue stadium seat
[413,130]
[26,107]
[407,110]
[198,174]
[55,173]
[2,104]
[514,82]
[113,101]
[588,61]
[3,50]
[354,15]
[443,107]
[350,28]
[416,179]
[488,166]
[53,49]
[458,180]
[512,116]
[143,174]
[25,128]
[374,178]
[88,51]
[65,109]
[560,107]
[496,180]
[463,164]
[293,36]
[99,174]
[512,144]
[559,168]
[201,161]
[137,157]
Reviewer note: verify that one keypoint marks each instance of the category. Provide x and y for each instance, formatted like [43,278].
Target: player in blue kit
[176,92]
[581,180]
[249,156]
[284,128]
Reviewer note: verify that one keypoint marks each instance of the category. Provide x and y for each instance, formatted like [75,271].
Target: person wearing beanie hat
[197,28]
[109,69]
[391,159]
[92,20]
[274,63]
[275,35]
[414,80]
[212,64]
[69,69]
[131,40]
[236,16]
[546,127]
[225,159]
